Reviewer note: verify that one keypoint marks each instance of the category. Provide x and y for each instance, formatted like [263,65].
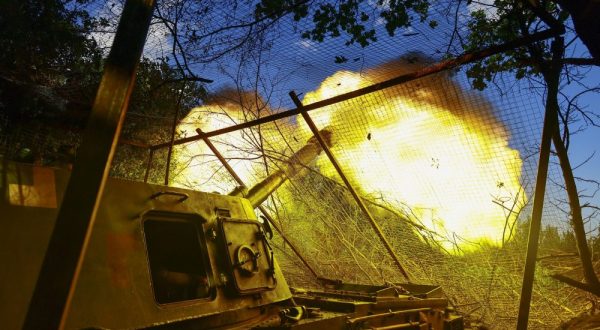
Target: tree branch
[581,61]
[576,284]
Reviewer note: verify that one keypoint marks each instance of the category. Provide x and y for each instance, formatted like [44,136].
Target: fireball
[430,149]
[418,149]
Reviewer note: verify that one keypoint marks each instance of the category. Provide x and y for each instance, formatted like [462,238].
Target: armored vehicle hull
[162,257]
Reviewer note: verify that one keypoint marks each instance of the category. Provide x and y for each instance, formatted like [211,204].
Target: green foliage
[159,91]
[158,87]
[355,20]
[45,53]
[551,238]
[347,18]
[155,99]
[276,8]
[341,59]
[50,68]
[41,36]
[510,21]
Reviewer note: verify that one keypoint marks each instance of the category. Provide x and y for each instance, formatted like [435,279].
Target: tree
[46,39]
[354,19]
[584,14]
[49,71]
[161,95]
[50,68]
[503,21]
[545,60]
[45,56]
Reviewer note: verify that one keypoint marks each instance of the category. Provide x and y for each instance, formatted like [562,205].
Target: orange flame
[455,174]
[423,150]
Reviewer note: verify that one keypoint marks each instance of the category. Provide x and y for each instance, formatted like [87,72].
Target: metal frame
[60,269]
[64,257]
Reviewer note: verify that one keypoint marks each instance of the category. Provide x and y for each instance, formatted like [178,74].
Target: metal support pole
[57,279]
[240,182]
[550,125]
[357,198]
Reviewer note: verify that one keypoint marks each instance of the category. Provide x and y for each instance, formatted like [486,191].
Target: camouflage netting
[317,214]
[447,172]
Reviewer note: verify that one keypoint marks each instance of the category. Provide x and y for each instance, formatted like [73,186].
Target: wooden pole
[240,182]
[357,198]
[58,275]
[550,124]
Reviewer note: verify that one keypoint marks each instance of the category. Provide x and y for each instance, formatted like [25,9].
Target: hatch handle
[182,196]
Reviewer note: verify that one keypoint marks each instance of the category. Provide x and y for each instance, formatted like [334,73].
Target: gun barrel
[262,190]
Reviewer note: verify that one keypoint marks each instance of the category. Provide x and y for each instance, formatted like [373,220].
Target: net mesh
[413,151]
[318,215]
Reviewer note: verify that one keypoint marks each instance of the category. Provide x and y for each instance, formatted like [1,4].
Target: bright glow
[429,154]
[198,168]
[455,174]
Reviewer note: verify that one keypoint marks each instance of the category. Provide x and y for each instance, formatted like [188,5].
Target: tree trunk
[587,25]
[576,216]
[552,77]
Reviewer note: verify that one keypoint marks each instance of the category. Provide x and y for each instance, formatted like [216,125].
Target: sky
[301,65]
